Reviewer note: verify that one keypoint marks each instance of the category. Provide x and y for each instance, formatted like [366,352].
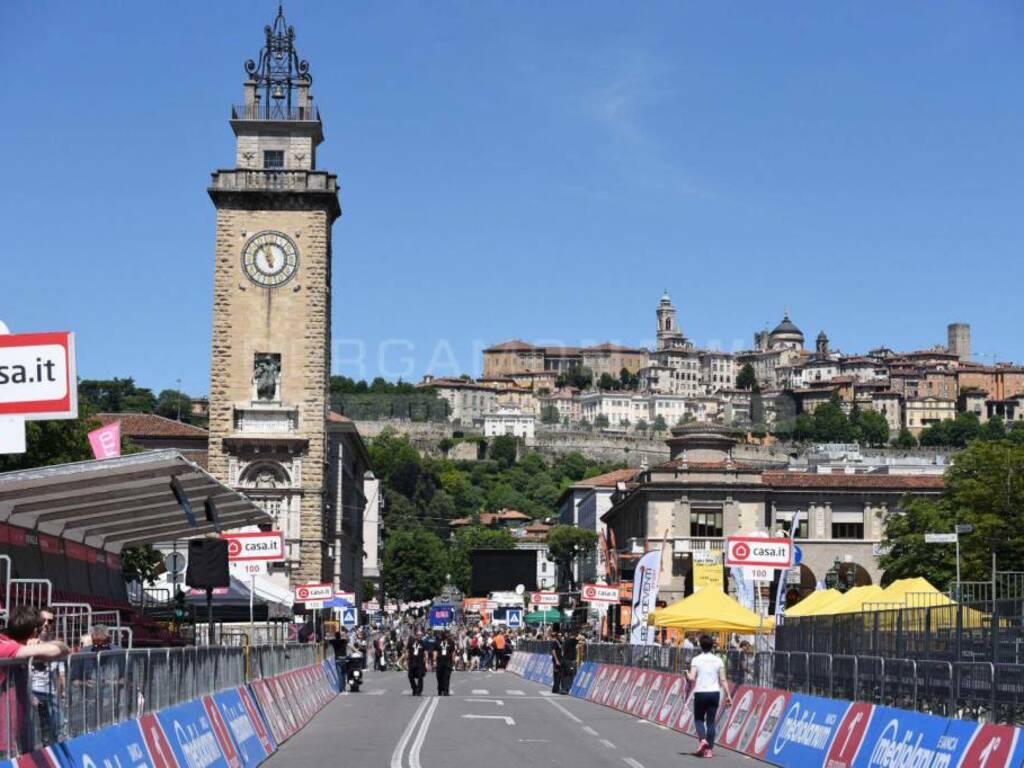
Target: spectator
[47,684]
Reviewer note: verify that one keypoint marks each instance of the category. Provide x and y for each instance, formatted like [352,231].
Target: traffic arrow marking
[508,720]
[499,702]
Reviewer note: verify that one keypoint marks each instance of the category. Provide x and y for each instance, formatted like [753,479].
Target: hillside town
[764,388]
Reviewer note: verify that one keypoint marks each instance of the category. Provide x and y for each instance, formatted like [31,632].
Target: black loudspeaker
[207,564]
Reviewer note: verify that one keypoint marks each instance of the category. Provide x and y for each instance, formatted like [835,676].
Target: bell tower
[669,336]
[272,304]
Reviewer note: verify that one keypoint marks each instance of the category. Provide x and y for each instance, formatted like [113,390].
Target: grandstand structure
[63,529]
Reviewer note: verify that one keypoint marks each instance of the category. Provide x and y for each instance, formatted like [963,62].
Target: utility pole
[178,398]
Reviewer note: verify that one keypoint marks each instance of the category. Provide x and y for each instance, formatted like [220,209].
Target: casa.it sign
[37,376]
[760,552]
[306,593]
[252,547]
[596,593]
[543,598]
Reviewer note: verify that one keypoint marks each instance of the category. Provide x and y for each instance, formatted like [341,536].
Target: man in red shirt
[23,625]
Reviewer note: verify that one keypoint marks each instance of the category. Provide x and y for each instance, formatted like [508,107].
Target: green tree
[906,439]
[628,380]
[171,402]
[415,564]
[659,423]
[504,449]
[642,425]
[585,425]
[566,543]
[956,433]
[469,540]
[831,424]
[600,420]
[396,462]
[746,378]
[115,396]
[993,429]
[549,415]
[803,428]
[873,428]
[577,377]
[984,488]
[141,563]
[607,382]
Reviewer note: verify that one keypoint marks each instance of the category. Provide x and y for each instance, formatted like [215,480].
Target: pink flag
[106,441]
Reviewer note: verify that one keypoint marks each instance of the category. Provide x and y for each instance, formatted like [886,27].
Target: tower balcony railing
[264,180]
[275,111]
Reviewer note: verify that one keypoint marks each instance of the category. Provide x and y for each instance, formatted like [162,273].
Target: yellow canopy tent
[711,610]
[914,593]
[850,602]
[814,601]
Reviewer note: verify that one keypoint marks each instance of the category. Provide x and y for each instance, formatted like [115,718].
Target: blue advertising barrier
[120,744]
[331,672]
[584,679]
[250,748]
[897,737]
[191,735]
[806,731]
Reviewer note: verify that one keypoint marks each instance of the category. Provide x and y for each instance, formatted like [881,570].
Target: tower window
[273,158]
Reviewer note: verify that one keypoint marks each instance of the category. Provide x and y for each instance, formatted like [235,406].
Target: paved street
[493,719]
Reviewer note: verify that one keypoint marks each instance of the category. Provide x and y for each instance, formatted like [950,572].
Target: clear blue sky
[530,169]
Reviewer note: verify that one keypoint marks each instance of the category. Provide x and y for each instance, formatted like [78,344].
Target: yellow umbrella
[814,601]
[711,610]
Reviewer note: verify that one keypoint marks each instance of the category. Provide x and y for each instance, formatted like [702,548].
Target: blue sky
[530,169]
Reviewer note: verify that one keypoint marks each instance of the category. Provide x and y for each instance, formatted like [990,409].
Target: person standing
[416,662]
[707,674]
[557,662]
[444,655]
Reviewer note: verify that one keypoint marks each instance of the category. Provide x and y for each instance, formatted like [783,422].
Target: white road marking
[588,730]
[515,693]
[417,745]
[479,691]
[564,711]
[375,693]
[508,720]
[499,702]
[547,693]
[603,741]
[632,763]
[396,756]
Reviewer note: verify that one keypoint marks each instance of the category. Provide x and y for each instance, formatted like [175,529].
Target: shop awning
[711,610]
[124,501]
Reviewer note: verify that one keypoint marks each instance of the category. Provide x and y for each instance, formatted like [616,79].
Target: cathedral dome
[786,332]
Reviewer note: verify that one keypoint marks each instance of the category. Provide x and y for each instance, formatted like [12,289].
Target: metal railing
[88,691]
[978,690]
[274,111]
[260,180]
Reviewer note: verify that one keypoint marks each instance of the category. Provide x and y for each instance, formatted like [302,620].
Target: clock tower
[272,305]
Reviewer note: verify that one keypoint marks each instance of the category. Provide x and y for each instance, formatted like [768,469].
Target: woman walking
[707,674]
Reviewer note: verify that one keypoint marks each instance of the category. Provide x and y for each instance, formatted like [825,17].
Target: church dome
[786,331]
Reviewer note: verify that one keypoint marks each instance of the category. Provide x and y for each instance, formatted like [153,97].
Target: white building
[467,400]
[508,420]
[372,525]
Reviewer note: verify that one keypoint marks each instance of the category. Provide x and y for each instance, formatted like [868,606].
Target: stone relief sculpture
[266,377]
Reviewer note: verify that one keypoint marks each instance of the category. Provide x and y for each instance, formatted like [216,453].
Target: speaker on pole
[207,564]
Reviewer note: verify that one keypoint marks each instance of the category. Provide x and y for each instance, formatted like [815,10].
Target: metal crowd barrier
[88,691]
[979,690]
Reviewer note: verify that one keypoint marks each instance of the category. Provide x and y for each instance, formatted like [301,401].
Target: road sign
[349,596]
[544,598]
[349,617]
[743,551]
[318,592]
[597,593]
[514,618]
[37,376]
[940,538]
[174,562]
[250,547]
[798,555]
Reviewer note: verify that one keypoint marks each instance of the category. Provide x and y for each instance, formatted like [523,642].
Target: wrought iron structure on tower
[277,74]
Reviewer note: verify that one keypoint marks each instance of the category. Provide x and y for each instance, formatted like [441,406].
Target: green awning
[547,616]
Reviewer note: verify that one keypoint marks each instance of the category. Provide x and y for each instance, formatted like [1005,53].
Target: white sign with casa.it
[266,546]
[598,593]
[306,593]
[758,552]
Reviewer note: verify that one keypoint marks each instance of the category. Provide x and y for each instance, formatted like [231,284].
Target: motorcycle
[354,671]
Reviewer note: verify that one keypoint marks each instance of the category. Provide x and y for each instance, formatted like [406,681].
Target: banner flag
[645,597]
[106,441]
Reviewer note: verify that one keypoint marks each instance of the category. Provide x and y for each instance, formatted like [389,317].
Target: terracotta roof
[608,479]
[705,466]
[490,518]
[609,347]
[151,425]
[200,457]
[513,345]
[338,418]
[880,482]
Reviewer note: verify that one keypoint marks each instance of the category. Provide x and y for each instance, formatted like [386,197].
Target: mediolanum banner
[645,596]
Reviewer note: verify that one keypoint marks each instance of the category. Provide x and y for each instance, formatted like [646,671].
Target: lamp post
[962,529]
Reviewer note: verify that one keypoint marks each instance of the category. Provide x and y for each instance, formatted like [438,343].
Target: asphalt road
[497,720]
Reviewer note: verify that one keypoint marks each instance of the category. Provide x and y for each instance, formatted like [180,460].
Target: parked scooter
[354,670]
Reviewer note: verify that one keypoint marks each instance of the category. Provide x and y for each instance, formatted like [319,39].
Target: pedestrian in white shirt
[707,674]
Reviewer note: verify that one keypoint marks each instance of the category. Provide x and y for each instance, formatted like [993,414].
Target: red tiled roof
[338,418]
[151,425]
[202,458]
[880,482]
[513,345]
[608,479]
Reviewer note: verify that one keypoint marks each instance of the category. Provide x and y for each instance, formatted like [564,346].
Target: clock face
[270,259]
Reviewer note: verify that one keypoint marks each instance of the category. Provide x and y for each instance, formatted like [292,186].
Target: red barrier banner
[220,730]
[160,752]
[850,735]
[638,691]
[649,704]
[675,693]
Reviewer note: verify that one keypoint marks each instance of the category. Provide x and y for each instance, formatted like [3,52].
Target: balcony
[276,112]
[260,180]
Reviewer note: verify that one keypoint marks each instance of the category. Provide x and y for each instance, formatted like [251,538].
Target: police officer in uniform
[557,661]
[416,662]
[444,657]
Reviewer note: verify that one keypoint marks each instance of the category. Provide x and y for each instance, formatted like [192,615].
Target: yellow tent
[814,601]
[914,593]
[851,601]
[711,610]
